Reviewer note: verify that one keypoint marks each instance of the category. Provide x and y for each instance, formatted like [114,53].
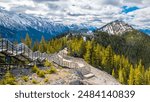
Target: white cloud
[141,18]
[140,3]
[92,12]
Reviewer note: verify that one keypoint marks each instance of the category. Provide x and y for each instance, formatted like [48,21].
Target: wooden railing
[21,49]
[9,49]
[23,52]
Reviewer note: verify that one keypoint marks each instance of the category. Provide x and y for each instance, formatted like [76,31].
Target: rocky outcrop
[116,28]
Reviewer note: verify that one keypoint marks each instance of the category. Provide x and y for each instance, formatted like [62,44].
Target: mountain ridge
[19,24]
[14,26]
[116,27]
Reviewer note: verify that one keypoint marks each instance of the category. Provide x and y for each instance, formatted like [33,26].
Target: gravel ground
[64,76]
[101,78]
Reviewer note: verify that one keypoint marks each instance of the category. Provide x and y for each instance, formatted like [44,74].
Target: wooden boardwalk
[23,53]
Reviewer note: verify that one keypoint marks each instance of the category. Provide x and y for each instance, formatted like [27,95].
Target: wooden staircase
[23,53]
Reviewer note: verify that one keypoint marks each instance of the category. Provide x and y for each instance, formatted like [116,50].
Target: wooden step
[90,75]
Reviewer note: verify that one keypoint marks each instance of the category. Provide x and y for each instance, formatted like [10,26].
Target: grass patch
[46,80]
[41,73]
[34,81]
[8,79]
[47,64]
[35,69]
[25,78]
[52,70]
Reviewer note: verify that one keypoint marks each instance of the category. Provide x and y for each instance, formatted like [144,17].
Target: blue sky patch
[127,9]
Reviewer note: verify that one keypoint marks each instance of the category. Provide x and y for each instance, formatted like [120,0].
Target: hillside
[134,44]
[104,57]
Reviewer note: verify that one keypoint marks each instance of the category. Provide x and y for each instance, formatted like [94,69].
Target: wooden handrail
[23,50]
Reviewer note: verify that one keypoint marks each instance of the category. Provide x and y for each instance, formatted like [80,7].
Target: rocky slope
[64,76]
[85,75]
[116,28]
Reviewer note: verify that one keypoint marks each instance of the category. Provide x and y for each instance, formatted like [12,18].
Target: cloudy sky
[91,12]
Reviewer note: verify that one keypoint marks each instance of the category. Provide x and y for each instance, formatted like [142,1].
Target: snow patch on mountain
[15,26]
[20,22]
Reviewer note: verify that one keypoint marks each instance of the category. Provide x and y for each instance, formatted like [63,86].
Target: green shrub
[46,80]
[35,69]
[47,63]
[37,72]
[34,81]
[8,79]
[41,73]
[52,70]
[25,78]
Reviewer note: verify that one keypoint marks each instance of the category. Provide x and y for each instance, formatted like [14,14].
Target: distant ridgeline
[14,27]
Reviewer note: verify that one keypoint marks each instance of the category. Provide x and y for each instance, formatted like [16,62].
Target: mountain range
[15,26]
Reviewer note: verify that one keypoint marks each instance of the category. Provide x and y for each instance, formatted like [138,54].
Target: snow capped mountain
[82,28]
[13,24]
[116,27]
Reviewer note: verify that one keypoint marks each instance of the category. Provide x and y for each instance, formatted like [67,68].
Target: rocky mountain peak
[116,27]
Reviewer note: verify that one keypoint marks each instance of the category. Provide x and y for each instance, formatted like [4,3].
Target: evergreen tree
[121,76]
[131,76]
[137,76]
[36,46]
[113,73]
[97,56]
[87,55]
[147,77]
[108,60]
[116,64]
[43,45]
[28,41]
